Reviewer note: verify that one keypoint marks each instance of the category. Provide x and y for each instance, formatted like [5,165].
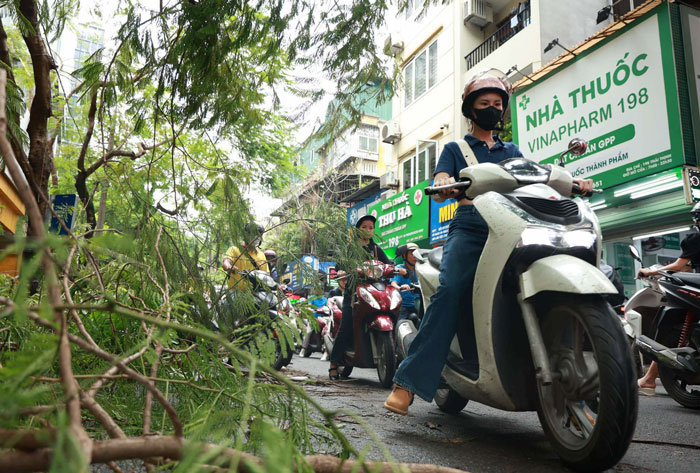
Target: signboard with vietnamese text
[360,209]
[441,215]
[690,25]
[402,218]
[620,95]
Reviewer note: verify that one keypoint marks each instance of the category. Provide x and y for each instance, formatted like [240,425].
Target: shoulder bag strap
[468,153]
[252,260]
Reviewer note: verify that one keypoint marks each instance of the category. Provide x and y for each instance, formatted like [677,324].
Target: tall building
[439,48]
[335,168]
[622,75]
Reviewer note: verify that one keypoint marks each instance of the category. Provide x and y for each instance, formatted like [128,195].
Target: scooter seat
[692,279]
[435,257]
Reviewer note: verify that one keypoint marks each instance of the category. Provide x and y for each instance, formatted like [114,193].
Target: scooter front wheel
[386,368]
[283,356]
[589,411]
[449,400]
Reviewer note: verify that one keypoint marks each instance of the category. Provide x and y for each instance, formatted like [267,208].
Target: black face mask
[487,118]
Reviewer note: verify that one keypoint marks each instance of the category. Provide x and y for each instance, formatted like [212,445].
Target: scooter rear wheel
[589,412]
[684,393]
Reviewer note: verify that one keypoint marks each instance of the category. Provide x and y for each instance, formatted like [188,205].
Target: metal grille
[557,208]
[502,34]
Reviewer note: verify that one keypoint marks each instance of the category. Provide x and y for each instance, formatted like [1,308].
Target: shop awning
[657,213]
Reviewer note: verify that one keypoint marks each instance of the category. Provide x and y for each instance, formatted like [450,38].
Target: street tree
[106,354]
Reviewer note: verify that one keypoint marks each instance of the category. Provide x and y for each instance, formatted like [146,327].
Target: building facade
[642,129]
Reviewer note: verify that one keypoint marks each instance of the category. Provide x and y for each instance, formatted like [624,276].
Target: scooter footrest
[467,368]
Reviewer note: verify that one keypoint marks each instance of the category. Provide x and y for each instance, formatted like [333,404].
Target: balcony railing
[510,28]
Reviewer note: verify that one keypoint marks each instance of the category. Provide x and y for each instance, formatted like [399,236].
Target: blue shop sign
[441,214]
[360,209]
[66,207]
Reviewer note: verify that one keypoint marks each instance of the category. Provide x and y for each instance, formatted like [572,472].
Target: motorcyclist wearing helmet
[405,277]
[246,258]
[344,338]
[342,278]
[271,257]
[690,256]
[484,100]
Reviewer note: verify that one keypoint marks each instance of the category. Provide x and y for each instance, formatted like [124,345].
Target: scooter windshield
[525,171]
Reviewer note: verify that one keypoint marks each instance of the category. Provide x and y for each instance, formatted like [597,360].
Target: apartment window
[407,173]
[625,6]
[88,43]
[368,167]
[369,139]
[420,75]
[420,166]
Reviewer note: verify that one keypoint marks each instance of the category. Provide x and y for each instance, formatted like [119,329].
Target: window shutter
[421,82]
[432,67]
[408,83]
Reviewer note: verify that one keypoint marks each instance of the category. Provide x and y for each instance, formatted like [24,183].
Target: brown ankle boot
[399,400]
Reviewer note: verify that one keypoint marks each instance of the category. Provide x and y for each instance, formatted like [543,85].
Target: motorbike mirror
[577,146]
[635,253]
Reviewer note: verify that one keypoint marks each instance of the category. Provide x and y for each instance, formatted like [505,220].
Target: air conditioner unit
[392,46]
[478,12]
[388,181]
[390,132]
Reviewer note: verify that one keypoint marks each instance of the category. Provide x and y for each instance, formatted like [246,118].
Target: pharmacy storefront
[630,97]
[401,219]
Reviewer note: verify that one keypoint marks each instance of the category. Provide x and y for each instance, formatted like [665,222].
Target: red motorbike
[375,309]
[331,325]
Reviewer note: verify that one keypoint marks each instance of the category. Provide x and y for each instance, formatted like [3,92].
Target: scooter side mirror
[577,146]
[635,253]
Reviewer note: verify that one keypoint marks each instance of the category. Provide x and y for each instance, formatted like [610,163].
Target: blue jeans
[420,371]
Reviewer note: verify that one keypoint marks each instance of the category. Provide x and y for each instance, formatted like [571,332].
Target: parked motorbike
[269,306]
[544,336]
[674,341]
[313,338]
[375,309]
[332,323]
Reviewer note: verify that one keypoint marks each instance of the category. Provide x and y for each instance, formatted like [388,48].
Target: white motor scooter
[546,339]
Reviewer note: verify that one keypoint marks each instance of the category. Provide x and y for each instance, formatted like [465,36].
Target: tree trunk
[102,208]
[85,199]
[40,110]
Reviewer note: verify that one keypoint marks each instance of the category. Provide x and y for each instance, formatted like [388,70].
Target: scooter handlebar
[576,189]
[432,190]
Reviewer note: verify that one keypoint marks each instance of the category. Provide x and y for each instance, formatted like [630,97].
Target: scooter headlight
[395,300]
[368,298]
[583,238]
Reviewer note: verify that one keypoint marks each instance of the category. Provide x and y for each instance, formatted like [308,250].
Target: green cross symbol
[524,101]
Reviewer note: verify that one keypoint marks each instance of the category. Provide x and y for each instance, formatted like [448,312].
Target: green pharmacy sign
[620,96]
[402,218]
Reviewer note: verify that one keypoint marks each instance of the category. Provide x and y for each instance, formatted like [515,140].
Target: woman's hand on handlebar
[586,185]
[446,193]
[645,273]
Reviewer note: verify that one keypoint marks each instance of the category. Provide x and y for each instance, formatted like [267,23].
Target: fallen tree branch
[70,385]
[105,451]
[135,375]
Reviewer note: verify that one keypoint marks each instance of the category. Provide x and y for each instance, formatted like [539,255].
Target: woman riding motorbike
[365,225]
[484,100]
